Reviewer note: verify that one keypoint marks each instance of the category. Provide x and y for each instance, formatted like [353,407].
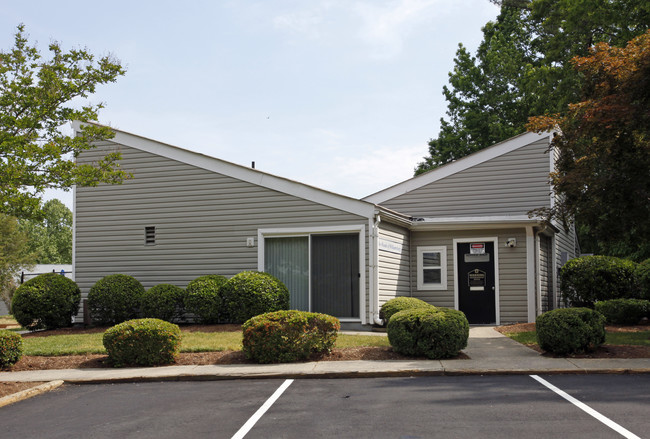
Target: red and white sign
[477,248]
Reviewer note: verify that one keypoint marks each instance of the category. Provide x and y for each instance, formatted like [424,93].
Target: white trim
[74,232]
[420,250]
[459,165]
[530,273]
[281,184]
[495,240]
[308,231]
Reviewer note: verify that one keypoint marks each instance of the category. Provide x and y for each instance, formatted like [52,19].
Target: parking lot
[514,406]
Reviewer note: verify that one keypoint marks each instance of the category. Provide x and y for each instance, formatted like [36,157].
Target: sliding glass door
[288,260]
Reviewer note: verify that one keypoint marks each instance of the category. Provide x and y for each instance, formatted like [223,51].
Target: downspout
[375,263]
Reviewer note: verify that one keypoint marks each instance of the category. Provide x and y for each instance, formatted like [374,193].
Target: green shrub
[114,299]
[285,336]
[570,330]
[144,342]
[623,311]
[11,348]
[431,332]
[588,279]
[399,304]
[46,301]
[203,299]
[642,275]
[164,302]
[252,293]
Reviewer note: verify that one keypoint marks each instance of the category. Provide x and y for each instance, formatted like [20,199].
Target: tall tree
[14,255]
[522,69]
[36,97]
[603,171]
[51,238]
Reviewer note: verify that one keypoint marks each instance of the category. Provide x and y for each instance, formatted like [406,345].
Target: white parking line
[260,412]
[605,420]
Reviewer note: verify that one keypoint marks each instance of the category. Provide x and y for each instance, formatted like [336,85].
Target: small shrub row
[11,348]
[286,336]
[624,311]
[570,330]
[144,342]
[588,279]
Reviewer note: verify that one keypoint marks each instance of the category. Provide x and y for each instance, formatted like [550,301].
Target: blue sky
[342,95]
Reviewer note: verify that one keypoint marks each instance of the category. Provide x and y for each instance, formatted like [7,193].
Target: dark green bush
[286,336]
[47,301]
[252,293]
[588,279]
[399,304]
[11,348]
[570,330]
[642,275]
[431,332]
[203,298]
[144,342]
[114,299]
[623,311]
[164,302]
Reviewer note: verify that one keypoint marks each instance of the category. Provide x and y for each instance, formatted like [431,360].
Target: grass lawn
[79,344]
[641,338]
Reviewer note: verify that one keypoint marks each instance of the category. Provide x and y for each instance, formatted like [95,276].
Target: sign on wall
[390,246]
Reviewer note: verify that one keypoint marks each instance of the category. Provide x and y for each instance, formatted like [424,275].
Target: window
[432,268]
[150,235]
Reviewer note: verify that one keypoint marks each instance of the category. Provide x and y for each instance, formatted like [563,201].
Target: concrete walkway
[490,353]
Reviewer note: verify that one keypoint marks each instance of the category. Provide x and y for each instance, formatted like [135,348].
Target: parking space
[422,407]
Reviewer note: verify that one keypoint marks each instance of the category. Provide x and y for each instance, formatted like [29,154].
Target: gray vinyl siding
[546,273]
[566,242]
[393,275]
[513,302]
[511,184]
[202,220]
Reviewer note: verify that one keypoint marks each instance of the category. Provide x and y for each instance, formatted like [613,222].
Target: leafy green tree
[37,97]
[522,68]
[603,170]
[14,255]
[51,238]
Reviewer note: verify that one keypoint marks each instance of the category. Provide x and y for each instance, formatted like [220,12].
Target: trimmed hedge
[399,304]
[47,301]
[624,311]
[642,275]
[286,336]
[570,330]
[251,293]
[164,302]
[114,299]
[203,298]
[11,348]
[588,279]
[431,332]
[144,342]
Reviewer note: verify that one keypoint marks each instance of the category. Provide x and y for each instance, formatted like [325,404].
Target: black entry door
[476,283]
[335,275]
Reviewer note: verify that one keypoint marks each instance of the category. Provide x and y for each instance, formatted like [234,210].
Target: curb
[28,393]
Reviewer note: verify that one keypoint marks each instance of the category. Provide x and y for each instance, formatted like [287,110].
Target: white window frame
[443,268]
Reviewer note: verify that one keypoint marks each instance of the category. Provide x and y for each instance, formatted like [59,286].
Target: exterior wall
[202,221]
[511,184]
[566,243]
[393,262]
[546,274]
[513,305]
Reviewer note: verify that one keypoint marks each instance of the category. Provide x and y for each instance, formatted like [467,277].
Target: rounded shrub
[163,301]
[144,342]
[431,332]
[46,301]
[251,293]
[588,279]
[203,298]
[570,330]
[114,299]
[642,275]
[286,336]
[399,304]
[11,348]
[623,311]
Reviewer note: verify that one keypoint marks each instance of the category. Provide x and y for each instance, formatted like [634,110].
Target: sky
[342,95]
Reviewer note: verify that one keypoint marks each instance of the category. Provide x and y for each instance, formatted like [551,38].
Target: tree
[603,171]
[14,255]
[36,100]
[51,239]
[522,68]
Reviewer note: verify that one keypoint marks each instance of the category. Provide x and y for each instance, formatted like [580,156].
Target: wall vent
[149,235]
